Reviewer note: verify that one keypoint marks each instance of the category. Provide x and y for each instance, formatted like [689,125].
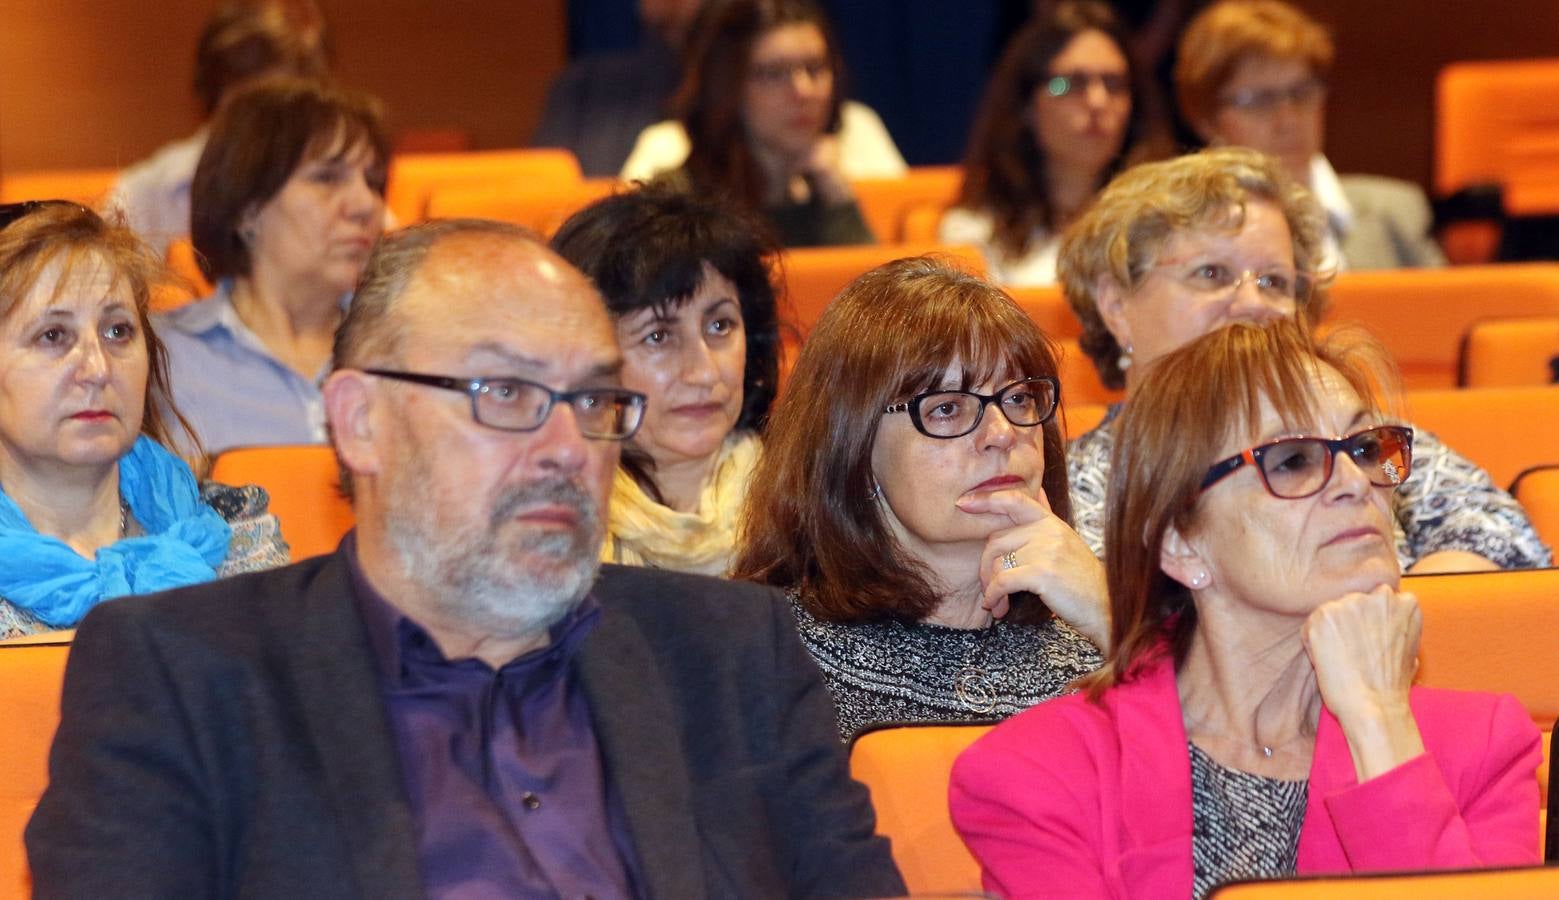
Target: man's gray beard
[475,581]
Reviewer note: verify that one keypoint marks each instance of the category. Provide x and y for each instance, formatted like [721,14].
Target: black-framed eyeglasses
[1299,467]
[953,414]
[10,212]
[1076,84]
[514,404]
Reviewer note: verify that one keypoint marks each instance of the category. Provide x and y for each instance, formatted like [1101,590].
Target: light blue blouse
[229,386]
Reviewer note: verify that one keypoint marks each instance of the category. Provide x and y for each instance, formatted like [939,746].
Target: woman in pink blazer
[1256,716]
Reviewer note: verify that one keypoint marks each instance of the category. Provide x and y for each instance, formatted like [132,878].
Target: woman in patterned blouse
[1172,250]
[92,504]
[1255,716]
[911,495]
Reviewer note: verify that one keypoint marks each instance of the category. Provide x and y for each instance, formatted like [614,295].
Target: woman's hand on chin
[1048,559]
[1364,647]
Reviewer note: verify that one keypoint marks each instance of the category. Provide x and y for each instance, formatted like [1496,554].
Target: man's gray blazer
[228,740]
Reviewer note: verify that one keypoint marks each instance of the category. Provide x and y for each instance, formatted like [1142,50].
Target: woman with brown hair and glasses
[762,121]
[1256,716]
[911,497]
[93,505]
[1057,122]
[1172,250]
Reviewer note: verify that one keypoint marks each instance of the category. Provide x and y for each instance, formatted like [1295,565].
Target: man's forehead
[496,291]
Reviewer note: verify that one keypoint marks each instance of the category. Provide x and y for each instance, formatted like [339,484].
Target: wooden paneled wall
[103,82]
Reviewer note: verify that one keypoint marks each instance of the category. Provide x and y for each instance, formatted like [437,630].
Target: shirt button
[530,800]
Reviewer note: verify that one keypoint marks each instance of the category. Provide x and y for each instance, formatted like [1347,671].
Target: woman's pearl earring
[1124,362]
[1199,580]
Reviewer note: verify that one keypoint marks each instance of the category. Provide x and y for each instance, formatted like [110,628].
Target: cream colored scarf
[645,533]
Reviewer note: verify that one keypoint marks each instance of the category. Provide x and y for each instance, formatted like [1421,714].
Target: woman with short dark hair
[688,284]
[912,499]
[762,120]
[287,202]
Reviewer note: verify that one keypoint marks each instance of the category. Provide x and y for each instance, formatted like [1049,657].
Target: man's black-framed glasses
[952,414]
[1299,467]
[514,404]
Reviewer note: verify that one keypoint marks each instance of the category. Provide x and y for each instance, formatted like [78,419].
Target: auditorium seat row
[1482,631]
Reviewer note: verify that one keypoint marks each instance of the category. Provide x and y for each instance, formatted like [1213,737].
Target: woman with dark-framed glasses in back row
[911,497]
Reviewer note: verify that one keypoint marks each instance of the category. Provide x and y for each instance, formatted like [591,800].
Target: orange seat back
[1538,490]
[1048,308]
[1421,314]
[88,187]
[1080,380]
[1081,418]
[414,176]
[908,770]
[302,481]
[541,208]
[1493,631]
[814,275]
[1510,352]
[30,679]
[922,222]
[1492,118]
[886,202]
[1504,430]
[1535,883]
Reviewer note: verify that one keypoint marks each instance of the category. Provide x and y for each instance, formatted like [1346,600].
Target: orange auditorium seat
[1080,418]
[414,176]
[1493,631]
[1510,352]
[1504,430]
[1080,380]
[30,678]
[541,208]
[1421,314]
[814,275]
[886,202]
[1533,883]
[1538,490]
[302,481]
[1049,310]
[1492,118]
[86,186]
[907,770]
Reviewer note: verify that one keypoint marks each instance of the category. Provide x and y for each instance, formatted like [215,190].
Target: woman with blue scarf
[92,505]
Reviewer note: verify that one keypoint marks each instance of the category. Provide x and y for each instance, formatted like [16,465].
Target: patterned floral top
[890,672]
[1447,503]
[256,544]
[1242,825]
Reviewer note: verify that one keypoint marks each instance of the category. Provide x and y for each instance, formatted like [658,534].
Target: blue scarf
[184,542]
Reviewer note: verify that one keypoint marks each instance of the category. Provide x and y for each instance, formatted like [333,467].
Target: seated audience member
[456,703]
[1057,122]
[287,203]
[762,120]
[1172,250]
[687,284]
[598,105]
[911,497]
[92,504]
[1252,73]
[1257,716]
[243,41]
